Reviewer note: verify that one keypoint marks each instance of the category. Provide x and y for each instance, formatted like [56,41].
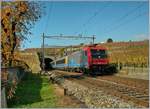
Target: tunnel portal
[48,63]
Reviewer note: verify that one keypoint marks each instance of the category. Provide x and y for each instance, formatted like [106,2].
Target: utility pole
[43,62]
[93,38]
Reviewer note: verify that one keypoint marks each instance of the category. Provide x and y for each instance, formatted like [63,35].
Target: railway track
[119,90]
[124,88]
[136,83]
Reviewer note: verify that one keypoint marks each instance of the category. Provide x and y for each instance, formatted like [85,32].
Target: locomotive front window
[98,53]
[85,53]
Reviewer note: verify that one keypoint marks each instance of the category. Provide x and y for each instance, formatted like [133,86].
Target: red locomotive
[97,58]
[90,59]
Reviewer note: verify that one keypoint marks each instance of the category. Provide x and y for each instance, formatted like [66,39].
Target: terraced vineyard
[129,53]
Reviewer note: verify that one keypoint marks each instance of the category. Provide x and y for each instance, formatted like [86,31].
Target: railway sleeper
[142,97]
[124,90]
[132,94]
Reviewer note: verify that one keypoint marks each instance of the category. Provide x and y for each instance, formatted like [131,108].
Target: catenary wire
[92,17]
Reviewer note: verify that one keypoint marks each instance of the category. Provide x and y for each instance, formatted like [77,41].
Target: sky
[121,21]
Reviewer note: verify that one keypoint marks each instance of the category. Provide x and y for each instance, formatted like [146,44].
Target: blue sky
[121,21]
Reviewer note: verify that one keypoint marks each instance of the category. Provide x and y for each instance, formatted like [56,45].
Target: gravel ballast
[93,98]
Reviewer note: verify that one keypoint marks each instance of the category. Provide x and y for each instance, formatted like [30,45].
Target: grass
[34,92]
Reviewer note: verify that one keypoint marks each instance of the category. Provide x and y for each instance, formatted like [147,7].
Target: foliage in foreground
[17,19]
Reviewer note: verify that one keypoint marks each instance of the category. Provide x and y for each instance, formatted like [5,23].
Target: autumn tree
[109,40]
[17,18]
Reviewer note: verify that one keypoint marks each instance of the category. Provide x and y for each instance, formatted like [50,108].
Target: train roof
[95,46]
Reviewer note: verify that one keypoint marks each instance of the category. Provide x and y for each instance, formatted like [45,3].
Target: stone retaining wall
[134,72]
[32,60]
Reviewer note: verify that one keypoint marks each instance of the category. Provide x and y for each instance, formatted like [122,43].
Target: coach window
[61,61]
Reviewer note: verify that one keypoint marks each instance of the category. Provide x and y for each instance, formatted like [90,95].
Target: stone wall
[134,72]
[32,60]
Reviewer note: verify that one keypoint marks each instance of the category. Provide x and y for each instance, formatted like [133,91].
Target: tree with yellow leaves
[17,18]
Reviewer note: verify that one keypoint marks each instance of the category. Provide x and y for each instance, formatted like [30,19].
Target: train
[92,59]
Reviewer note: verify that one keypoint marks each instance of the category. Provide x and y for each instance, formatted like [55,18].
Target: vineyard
[129,53]
[126,53]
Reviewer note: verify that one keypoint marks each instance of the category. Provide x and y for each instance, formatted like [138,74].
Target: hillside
[127,53]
